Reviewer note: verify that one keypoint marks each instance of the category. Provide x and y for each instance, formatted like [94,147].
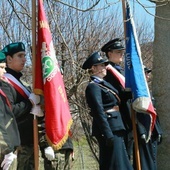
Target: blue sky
[142,10]
[144,14]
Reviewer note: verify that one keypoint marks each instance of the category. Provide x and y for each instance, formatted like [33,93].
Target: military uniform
[107,126]
[21,108]
[148,151]
[125,96]
[9,134]
[62,157]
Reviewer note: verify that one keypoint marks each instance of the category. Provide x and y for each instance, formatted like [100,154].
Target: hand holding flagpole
[135,76]
[49,83]
[133,113]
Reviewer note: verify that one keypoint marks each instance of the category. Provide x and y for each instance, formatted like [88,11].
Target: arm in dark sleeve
[20,105]
[22,108]
[5,142]
[94,100]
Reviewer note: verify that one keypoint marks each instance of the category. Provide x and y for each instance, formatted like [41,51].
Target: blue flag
[134,72]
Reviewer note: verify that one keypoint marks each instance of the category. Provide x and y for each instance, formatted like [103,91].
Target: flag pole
[35,125]
[133,113]
[124,17]
[136,147]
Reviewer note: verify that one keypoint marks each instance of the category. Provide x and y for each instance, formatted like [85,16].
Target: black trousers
[148,155]
[116,157]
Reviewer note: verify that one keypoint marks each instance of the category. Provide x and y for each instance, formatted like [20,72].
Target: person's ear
[9,59]
[92,68]
[108,54]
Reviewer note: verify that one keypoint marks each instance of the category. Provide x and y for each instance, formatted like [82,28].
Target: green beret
[2,57]
[13,48]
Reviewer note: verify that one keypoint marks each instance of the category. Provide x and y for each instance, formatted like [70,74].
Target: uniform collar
[96,79]
[116,66]
[14,73]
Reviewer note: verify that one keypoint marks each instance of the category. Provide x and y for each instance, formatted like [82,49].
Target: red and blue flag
[134,72]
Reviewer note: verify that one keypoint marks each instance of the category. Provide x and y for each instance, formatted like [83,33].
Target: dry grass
[84,160]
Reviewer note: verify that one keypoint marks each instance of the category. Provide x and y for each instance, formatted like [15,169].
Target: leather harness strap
[108,90]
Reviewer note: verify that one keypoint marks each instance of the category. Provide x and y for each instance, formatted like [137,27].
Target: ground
[84,160]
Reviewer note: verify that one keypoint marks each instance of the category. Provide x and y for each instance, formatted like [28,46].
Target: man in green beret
[24,102]
[9,134]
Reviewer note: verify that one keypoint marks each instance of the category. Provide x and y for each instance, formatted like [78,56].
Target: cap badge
[100,58]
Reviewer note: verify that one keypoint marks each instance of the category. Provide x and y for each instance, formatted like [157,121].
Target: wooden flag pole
[124,17]
[35,125]
[36,153]
[133,113]
[136,147]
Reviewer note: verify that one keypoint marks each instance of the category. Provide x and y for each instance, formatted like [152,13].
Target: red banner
[49,82]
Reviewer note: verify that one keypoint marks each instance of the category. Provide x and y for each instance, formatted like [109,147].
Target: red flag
[49,81]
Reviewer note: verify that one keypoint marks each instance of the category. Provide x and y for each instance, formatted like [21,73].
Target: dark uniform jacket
[21,110]
[143,125]
[148,151]
[9,134]
[100,100]
[68,145]
[124,96]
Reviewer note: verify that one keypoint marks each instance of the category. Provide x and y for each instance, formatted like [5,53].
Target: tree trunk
[161,80]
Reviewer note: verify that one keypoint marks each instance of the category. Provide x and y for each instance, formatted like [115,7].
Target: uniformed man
[114,51]
[9,134]
[148,151]
[23,103]
[57,159]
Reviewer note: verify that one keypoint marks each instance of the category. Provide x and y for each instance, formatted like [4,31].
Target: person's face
[116,56]
[17,61]
[147,75]
[99,70]
[2,69]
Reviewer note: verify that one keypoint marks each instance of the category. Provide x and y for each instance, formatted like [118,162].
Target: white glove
[49,153]
[8,159]
[36,110]
[35,99]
